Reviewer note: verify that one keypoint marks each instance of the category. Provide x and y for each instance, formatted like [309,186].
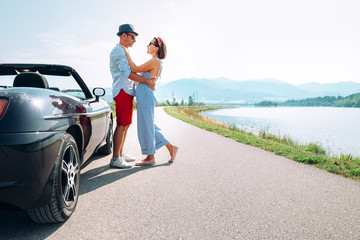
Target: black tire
[107,148]
[66,184]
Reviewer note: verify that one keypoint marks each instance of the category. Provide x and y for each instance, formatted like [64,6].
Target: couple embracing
[127,84]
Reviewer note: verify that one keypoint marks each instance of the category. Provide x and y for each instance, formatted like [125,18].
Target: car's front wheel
[66,184]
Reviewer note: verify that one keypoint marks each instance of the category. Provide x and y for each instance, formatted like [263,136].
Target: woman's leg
[146,136]
[146,129]
[162,141]
[172,151]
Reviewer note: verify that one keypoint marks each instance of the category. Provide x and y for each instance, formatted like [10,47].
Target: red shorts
[124,104]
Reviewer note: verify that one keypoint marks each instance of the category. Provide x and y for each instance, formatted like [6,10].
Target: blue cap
[126,28]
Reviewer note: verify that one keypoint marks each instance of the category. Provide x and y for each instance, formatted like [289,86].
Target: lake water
[337,130]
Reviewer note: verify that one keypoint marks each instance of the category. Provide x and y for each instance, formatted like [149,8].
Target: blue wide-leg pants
[150,136]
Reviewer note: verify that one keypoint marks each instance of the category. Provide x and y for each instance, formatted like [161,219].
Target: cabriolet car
[50,124]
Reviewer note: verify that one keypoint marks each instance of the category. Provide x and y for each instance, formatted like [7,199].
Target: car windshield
[66,84]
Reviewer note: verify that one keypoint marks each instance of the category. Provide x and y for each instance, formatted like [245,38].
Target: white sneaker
[118,162]
[127,158]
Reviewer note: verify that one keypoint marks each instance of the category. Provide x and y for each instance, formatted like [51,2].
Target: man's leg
[124,109]
[127,158]
[119,139]
[124,137]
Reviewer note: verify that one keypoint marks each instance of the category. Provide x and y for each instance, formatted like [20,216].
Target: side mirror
[98,92]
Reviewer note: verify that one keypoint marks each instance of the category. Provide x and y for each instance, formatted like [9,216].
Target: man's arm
[137,78]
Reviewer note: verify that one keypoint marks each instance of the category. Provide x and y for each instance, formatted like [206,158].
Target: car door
[99,116]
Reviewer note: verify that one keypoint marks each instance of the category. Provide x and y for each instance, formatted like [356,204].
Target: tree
[266,104]
[174,102]
[191,101]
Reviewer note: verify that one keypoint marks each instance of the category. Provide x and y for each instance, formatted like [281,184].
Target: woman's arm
[147,66]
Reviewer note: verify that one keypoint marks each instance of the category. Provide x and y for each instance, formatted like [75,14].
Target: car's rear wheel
[66,184]
[107,148]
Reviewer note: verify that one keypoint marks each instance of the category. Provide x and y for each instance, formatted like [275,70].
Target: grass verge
[345,165]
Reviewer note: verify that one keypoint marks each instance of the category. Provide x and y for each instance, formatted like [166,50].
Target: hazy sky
[292,41]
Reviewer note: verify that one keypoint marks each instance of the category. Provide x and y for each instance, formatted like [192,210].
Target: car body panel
[33,126]
[26,162]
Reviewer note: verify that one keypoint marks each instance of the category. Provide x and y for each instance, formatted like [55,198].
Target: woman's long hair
[162,48]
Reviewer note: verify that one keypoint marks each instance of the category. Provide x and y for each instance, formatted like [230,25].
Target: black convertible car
[50,123]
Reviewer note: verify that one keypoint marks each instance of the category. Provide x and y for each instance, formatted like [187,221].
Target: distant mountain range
[223,90]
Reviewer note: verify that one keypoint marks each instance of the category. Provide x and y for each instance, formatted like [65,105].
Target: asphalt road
[217,188]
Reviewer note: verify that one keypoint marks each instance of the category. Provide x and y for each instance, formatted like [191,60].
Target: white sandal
[144,162]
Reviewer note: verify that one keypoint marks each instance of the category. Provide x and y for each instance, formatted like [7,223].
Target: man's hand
[151,83]
[137,78]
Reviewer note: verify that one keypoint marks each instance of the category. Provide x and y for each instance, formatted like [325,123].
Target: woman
[149,134]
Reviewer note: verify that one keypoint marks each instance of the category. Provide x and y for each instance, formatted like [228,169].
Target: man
[123,91]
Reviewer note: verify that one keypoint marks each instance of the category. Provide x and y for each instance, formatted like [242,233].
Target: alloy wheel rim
[70,169]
